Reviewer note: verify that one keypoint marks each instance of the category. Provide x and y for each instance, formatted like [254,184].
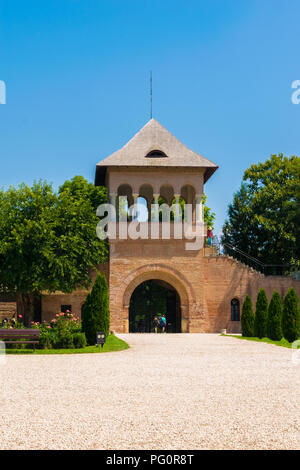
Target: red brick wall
[226,278]
[206,284]
[51,303]
[7,310]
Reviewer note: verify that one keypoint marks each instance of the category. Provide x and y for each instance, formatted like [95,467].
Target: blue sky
[77,78]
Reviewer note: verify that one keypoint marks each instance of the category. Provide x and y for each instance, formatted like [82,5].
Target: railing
[245,258]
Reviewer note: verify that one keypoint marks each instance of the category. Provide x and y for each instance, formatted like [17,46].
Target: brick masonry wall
[206,284]
[7,310]
[133,262]
[51,303]
[226,278]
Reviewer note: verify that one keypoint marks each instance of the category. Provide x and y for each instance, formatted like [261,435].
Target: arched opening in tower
[154,298]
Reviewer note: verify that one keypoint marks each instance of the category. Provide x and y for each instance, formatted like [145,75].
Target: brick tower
[152,165]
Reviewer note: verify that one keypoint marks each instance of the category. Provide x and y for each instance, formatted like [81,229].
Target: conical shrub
[274,328]
[261,314]
[85,316]
[95,312]
[247,319]
[291,316]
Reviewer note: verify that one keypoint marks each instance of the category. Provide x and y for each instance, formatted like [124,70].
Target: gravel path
[166,392]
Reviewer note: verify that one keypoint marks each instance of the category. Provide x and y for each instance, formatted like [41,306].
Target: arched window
[235,310]
[156,154]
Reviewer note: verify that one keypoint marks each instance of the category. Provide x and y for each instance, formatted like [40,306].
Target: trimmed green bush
[63,342]
[274,328]
[86,318]
[247,319]
[79,340]
[261,315]
[95,312]
[291,316]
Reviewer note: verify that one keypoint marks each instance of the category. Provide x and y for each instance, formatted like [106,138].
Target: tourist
[155,323]
[210,236]
[163,322]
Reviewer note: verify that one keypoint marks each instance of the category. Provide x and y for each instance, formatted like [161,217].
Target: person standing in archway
[155,323]
[163,322]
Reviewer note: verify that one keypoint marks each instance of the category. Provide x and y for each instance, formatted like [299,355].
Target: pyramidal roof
[154,137]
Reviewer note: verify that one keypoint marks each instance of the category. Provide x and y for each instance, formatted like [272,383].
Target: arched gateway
[151,300]
[166,278]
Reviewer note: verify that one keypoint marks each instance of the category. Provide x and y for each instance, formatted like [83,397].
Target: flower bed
[63,332]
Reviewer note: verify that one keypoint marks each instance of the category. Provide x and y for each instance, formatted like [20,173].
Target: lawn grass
[283,342]
[113,343]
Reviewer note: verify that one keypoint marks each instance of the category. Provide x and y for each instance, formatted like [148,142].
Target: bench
[20,336]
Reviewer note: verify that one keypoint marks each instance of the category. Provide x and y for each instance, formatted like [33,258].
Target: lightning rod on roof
[150,94]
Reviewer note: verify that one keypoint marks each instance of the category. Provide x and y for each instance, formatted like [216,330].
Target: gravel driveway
[166,392]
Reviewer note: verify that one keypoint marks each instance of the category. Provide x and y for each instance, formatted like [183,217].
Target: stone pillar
[155,215]
[199,208]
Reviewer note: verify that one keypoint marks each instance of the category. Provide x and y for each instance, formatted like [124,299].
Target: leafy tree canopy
[263,219]
[48,239]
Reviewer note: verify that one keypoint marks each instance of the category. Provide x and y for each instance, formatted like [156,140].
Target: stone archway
[160,273]
[151,299]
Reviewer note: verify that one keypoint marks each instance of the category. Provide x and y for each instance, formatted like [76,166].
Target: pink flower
[11,328]
[20,316]
[48,326]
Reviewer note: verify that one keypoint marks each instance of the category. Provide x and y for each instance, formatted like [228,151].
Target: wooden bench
[20,336]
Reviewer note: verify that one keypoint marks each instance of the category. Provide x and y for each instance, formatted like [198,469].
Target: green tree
[291,316]
[208,215]
[261,314]
[274,328]
[48,240]
[95,311]
[247,318]
[263,217]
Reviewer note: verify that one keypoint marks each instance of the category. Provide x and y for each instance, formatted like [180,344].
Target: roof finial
[150,94]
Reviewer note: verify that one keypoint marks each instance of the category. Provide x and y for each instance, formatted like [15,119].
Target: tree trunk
[25,307]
